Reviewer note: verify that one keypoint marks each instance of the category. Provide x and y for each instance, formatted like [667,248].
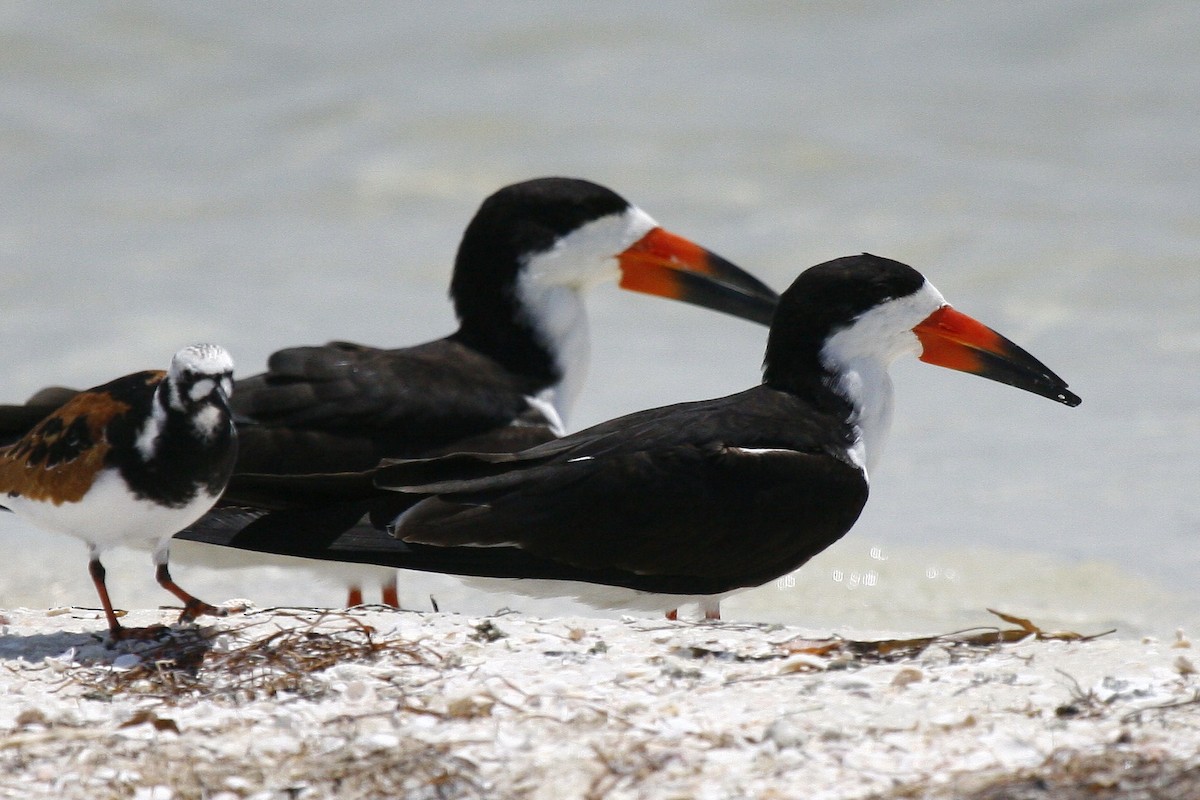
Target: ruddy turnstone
[130,462]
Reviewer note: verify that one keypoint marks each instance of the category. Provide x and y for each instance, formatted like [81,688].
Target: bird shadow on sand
[93,647]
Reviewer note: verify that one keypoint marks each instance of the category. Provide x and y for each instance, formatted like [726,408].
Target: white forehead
[586,256]
[202,359]
[884,332]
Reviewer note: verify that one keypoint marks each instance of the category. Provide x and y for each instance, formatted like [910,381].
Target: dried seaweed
[804,654]
[1114,775]
[245,663]
[105,767]
[900,649]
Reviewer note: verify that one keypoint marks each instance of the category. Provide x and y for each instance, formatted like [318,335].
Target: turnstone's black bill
[686,502]
[506,379]
[130,462]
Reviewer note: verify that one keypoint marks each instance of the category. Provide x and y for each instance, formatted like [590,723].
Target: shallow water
[264,177]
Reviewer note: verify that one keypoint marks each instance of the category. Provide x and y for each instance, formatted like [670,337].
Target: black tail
[280,492]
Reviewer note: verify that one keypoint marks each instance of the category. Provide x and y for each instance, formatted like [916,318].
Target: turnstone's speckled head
[197,371]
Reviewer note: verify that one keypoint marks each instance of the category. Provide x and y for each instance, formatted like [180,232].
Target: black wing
[340,385]
[736,491]
[699,498]
[18,420]
[345,406]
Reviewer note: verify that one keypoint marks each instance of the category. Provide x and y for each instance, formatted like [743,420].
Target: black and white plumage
[130,462]
[507,378]
[696,500]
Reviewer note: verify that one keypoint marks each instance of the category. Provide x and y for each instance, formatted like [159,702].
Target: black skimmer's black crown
[694,500]
[130,462]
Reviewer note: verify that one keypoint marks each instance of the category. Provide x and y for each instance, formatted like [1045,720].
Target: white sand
[516,706]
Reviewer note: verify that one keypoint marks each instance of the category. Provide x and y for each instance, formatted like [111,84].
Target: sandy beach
[287,703]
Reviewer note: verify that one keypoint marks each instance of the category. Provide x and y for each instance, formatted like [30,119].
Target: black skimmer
[130,462]
[506,379]
[690,501]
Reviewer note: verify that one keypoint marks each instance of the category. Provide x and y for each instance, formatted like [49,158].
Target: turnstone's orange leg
[354,597]
[97,572]
[192,606]
[116,630]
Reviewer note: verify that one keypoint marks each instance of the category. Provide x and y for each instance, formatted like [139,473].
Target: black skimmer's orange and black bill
[686,502]
[506,379]
[130,462]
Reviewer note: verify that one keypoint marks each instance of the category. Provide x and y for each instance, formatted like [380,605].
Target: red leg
[354,597]
[192,607]
[391,593]
[116,630]
[97,572]
[712,608]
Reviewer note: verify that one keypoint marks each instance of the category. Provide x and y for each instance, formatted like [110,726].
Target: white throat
[553,282]
[561,322]
[859,356]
